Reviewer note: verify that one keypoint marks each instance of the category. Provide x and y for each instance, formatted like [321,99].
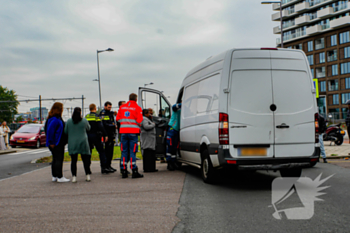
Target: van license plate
[252,151]
[20,141]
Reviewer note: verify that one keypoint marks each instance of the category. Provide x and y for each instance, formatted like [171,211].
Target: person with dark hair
[94,135]
[129,116]
[148,142]
[109,123]
[76,128]
[56,140]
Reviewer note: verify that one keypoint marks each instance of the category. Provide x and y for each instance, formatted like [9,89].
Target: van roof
[220,57]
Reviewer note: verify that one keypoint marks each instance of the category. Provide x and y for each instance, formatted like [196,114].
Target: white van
[249,109]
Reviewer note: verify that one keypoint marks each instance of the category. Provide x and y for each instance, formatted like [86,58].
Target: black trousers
[57,160]
[86,161]
[95,141]
[149,160]
[109,148]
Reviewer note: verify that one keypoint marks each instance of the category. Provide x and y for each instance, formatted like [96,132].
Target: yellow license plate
[20,141]
[253,151]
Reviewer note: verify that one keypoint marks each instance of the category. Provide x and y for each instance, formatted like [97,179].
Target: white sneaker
[63,179]
[54,179]
[88,179]
[74,179]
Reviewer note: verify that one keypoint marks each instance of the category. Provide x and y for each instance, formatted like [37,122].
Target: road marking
[38,152]
[18,153]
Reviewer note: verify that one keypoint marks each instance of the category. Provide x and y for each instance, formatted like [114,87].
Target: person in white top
[4,132]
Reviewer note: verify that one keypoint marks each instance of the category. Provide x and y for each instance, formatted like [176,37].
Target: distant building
[25,116]
[321,28]
[36,113]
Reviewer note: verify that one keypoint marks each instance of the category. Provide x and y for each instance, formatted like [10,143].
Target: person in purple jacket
[56,140]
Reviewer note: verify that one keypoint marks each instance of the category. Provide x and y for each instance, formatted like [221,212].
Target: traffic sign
[315,81]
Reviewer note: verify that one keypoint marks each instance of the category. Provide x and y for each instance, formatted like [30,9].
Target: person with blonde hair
[56,140]
[4,132]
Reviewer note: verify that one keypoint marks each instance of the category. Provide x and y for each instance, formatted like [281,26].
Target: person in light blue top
[173,137]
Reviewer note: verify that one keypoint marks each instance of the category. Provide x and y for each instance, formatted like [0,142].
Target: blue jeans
[128,146]
[323,152]
[172,140]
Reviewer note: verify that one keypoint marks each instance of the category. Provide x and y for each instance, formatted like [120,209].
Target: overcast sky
[48,47]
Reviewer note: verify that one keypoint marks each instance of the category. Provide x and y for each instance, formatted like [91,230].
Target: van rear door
[251,120]
[295,105]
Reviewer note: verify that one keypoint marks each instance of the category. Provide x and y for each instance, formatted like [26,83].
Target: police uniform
[94,136]
[109,124]
[129,116]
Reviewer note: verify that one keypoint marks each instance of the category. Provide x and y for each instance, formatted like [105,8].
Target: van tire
[207,169]
[294,172]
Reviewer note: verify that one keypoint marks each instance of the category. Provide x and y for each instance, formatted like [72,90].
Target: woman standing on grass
[78,143]
[56,140]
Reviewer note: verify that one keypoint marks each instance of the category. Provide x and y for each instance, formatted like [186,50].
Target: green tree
[19,118]
[9,109]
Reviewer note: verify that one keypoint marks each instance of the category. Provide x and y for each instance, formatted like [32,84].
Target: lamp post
[145,92]
[280,2]
[98,71]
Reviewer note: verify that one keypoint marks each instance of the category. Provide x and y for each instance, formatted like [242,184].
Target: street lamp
[280,2]
[145,92]
[98,70]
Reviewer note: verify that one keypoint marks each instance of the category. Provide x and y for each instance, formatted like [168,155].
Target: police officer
[108,121]
[94,137]
[129,116]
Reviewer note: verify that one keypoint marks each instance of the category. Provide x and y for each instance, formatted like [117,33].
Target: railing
[286,1]
[340,7]
[333,88]
[319,46]
[325,26]
[332,58]
[291,36]
[315,2]
[320,74]
[313,16]
[289,24]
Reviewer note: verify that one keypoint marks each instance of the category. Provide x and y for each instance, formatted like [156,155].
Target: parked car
[29,135]
[248,109]
[15,126]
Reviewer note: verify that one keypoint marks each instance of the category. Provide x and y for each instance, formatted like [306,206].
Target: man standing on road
[347,120]
[108,121]
[94,137]
[129,116]
[322,128]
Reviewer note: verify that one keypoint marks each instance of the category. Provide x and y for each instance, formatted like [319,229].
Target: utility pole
[82,105]
[40,109]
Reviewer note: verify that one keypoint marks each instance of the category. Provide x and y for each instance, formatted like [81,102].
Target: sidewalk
[8,151]
[32,203]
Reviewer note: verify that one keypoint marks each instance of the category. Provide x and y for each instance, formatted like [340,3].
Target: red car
[29,135]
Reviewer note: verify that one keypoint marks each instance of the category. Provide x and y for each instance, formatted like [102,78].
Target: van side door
[155,100]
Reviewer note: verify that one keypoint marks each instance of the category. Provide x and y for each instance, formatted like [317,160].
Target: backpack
[322,124]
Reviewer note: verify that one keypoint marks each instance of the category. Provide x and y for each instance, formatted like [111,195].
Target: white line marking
[38,152]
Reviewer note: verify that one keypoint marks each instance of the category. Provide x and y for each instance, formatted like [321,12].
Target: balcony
[276,6]
[340,7]
[314,30]
[341,22]
[324,13]
[318,2]
[302,20]
[277,30]
[302,7]
[286,3]
[277,17]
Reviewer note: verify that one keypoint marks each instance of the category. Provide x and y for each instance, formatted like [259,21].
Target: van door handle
[283,126]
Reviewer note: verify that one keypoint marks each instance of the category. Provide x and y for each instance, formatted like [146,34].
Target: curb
[7,152]
[338,157]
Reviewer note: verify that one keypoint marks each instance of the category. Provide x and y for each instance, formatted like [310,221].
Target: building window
[323,86]
[335,113]
[334,69]
[322,57]
[310,46]
[310,58]
[313,73]
[333,85]
[335,99]
[345,97]
[345,68]
[333,40]
[321,72]
[346,52]
[319,44]
[332,55]
[298,46]
[347,83]
[344,37]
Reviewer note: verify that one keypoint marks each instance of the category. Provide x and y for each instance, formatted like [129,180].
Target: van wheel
[295,172]
[207,169]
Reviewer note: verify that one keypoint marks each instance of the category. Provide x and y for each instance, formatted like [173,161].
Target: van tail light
[317,129]
[223,129]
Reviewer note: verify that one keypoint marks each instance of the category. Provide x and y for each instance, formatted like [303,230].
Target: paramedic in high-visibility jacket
[129,116]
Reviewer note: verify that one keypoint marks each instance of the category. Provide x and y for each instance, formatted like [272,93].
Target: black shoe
[171,166]
[136,174]
[325,160]
[105,171]
[124,173]
[111,168]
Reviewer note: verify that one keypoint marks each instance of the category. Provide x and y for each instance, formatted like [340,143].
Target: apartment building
[321,28]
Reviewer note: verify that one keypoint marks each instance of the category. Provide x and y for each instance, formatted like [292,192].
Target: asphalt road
[15,164]
[243,203]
